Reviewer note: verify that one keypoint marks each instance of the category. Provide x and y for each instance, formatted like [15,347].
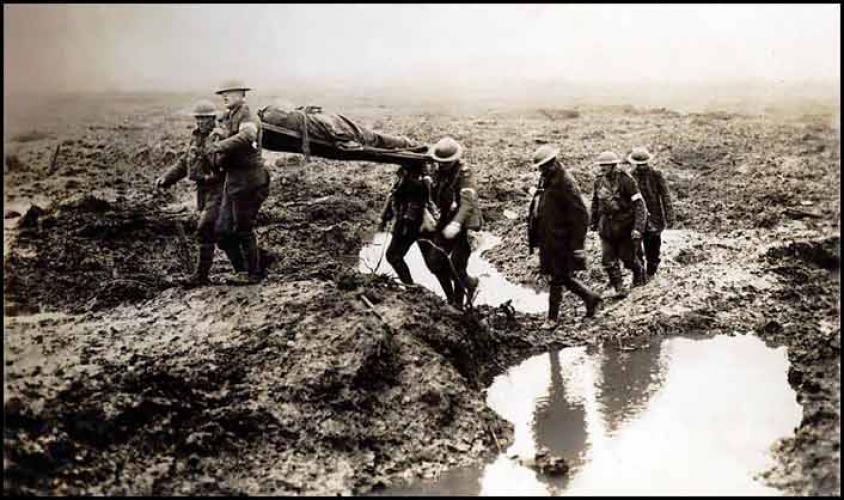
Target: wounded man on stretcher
[315,127]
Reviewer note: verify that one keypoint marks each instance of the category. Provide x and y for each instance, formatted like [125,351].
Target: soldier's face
[607,168]
[205,124]
[445,166]
[233,98]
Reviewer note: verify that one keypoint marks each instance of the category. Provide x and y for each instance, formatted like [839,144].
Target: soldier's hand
[451,230]
[159,183]
[636,235]
[212,148]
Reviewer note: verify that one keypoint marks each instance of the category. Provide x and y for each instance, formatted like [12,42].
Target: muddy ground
[119,381]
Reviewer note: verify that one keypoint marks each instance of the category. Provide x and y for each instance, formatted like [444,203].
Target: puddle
[494,289]
[681,417]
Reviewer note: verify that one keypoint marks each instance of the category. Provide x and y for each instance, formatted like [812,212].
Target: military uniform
[408,198]
[557,224]
[246,187]
[657,198]
[209,194]
[615,214]
[456,199]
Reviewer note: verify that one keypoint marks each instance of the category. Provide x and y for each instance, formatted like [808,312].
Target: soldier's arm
[246,136]
[468,196]
[632,190]
[667,202]
[176,172]
[593,223]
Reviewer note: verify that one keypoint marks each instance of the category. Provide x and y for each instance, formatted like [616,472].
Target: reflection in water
[493,288]
[628,381]
[681,417]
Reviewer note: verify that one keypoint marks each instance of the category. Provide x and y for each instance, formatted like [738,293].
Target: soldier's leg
[589,297]
[400,243]
[555,297]
[226,236]
[628,254]
[653,242]
[461,250]
[609,259]
[205,239]
[245,210]
[437,263]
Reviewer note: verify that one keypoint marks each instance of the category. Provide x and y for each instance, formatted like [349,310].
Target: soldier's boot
[232,249]
[616,281]
[652,267]
[205,257]
[555,297]
[639,278]
[471,288]
[252,254]
[590,298]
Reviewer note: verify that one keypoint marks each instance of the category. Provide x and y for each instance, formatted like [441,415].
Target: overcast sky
[190,47]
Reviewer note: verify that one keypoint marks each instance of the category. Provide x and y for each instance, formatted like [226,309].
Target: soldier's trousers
[651,241]
[452,276]
[236,228]
[404,236]
[566,280]
[206,226]
[623,249]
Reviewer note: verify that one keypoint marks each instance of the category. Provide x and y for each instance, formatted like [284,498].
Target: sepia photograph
[421,249]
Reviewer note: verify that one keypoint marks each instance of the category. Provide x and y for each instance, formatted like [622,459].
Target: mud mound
[267,408]
[87,253]
[824,253]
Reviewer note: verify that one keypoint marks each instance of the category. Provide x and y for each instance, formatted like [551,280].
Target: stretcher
[281,139]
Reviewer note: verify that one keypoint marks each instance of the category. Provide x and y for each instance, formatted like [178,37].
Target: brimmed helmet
[229,85]
[204,108]
[608,158]
[446,150]
[639,156]
[544,154]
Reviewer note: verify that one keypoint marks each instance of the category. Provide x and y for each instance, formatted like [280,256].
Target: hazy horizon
[436,50]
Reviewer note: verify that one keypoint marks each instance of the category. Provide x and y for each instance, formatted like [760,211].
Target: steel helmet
[231,85]
[204,107]
[446,150]
[639,155]
[608,158]
[544,154]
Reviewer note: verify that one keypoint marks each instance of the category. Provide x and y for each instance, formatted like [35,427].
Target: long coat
[241,148]
[558,221]
[615,213]
[657,197]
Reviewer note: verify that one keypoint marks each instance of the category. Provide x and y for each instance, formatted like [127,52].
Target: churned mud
[328,378]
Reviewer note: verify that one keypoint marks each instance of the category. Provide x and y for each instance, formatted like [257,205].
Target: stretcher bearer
[410,197]
[618,214]
[196,166]
[456,198]
[247,182]
[658,200]
[557,224]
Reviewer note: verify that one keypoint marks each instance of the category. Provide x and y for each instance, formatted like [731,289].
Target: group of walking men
[629,212]
[433,207]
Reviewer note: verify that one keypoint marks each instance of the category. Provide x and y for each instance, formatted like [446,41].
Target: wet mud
[119,381]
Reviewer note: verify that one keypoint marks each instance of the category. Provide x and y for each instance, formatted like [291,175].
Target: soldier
[209,187]
[557,224]
[247,182]
[658,201]
[409,198]
[446,249]
[618,214]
